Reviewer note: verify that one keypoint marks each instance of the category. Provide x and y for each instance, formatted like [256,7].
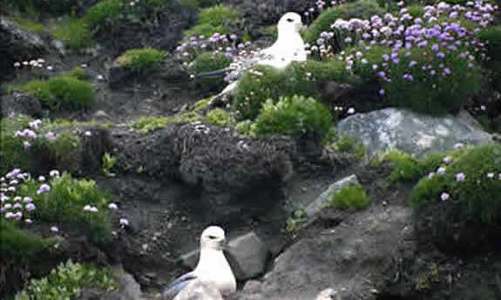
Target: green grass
[12,152]
[19,244]
[220,117]
[141,60]
[29,25]
[347,144]
[219,18]
[64,204]
[350,197]
[295,116]
[67,282]
[105,11]
[152,123]
[74,33]
[61,92]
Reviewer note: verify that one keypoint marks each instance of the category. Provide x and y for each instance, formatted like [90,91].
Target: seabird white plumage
[289,47]
[212,271]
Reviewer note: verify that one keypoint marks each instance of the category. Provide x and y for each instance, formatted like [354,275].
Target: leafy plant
[141,60]
[264,83]
[350,197]
[105,11]
[12,152]
[64,202]
[296,220]
[61,92]
[108,163]
[477,196]
[67,282]
[294,116]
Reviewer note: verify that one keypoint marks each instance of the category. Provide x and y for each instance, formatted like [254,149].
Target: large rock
[411,132]
[352,259]
[247,255]
[17,45]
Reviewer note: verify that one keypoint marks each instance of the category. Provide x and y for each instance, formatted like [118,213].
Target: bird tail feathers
[212,74]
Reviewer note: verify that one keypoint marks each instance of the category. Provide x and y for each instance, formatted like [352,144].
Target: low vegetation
[294,116]
[74,33]
[152,123]
[362,9]
[20,245]
[216,19]
[67,282]
[220,117]
[207,62]
[350,197]
[61,92]
[141,60]
[65,200]
[263,83]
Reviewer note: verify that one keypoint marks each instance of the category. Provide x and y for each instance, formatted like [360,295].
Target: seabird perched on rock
[289,47]
[212,277]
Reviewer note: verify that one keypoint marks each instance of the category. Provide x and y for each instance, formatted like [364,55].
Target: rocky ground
[173,182]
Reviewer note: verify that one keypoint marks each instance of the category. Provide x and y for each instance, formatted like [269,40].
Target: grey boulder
[414,133]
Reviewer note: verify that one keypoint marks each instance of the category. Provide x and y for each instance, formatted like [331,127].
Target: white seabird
[289,47]
[212,273]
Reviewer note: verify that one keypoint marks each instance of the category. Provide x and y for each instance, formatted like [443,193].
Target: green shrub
[416,10]
[432,94]
[61,92]
[78,73]
[264,83]
[141,60]
[362,9]
[67,282]
[405,168]
[294,116]
[105,11]
[220,117]
[206,62]
[478,197]
[74,33]
[219,18]
[19,244]
[350,197]
[12,152]
[65,203]
[347,144]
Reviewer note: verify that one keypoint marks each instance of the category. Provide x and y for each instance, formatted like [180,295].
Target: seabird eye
[290,20]
[212,237]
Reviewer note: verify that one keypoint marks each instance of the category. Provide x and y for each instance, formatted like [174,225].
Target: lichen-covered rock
[414,133]
[17,45]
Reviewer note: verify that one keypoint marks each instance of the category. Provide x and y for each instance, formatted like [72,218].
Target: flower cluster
[30,134]
[228,44]
[435,50]
[12,205]
[34,64]
[321,5]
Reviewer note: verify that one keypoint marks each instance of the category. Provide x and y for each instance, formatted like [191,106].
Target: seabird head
[290,22]
[213,237]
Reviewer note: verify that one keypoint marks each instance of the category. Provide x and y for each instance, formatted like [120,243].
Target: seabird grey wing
[177,285]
